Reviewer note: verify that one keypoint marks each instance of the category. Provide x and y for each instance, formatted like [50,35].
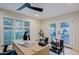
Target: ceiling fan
[28,5]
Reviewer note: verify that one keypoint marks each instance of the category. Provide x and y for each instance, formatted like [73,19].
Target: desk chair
[57,49]
[46,40]
[10,52]
[43,42]
[5,48]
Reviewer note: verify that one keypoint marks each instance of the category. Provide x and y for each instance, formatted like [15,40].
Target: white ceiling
[50,9]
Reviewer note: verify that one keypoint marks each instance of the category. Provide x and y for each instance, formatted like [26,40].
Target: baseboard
[75,49]
[67,46]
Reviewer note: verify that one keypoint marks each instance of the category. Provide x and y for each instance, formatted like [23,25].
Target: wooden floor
[67,51]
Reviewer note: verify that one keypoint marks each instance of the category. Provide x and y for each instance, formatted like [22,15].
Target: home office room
[39,28]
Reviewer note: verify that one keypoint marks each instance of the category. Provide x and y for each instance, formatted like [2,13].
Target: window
[27,26]
[18,29]
[8,30]
[19,34]
[65,32]
[14,29]
[53,31]
[8,21]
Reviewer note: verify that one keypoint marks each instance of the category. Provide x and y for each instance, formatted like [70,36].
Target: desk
[32,50]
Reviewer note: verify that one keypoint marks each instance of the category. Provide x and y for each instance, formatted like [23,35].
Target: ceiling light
[36,15]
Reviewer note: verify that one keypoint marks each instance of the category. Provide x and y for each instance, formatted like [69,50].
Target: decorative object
[41,34]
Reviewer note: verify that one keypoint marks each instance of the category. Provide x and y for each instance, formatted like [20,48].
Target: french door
[53,31]
[62,30]
[65,32]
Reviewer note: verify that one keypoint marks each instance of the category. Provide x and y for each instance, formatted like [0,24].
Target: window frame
[14,29]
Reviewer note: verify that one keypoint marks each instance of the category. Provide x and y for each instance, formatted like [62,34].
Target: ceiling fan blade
[28,5]
[23,6]
[36,8]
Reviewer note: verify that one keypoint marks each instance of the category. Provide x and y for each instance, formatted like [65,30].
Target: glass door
[65,32]
[53,31]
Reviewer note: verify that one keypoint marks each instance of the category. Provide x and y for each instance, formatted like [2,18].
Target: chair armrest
[57,46]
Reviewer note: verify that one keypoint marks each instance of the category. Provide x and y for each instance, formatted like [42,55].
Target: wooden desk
[22,50]
[33,50]
[40,50]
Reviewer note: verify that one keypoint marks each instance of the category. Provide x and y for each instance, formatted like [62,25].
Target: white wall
[34,23]
[72,18]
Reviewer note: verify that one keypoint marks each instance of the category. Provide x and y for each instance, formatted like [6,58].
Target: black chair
[9,52]
[5,48]
[25,37]
[43,42]
[46,40]
[57,48]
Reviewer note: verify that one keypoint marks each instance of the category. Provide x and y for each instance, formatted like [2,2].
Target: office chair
[26,37]
[46,40]
[57,49]
[5,48]
[10,52]
[43,42]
